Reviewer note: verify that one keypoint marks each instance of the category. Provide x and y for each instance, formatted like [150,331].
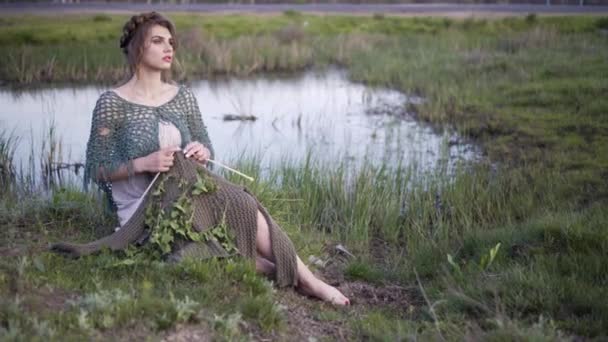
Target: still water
[324,114]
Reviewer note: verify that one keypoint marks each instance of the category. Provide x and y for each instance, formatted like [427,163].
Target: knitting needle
[152,182]
[231,169]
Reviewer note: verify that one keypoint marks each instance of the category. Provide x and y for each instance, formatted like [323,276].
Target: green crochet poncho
[122,131]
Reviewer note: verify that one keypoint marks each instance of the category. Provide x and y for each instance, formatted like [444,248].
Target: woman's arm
[106,157]
[159,161]
[122,172]
[198,130]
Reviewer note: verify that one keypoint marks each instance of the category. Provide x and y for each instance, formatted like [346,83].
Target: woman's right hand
[159,161]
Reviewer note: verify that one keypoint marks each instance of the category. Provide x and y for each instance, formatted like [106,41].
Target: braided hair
[144,20]
[133,39]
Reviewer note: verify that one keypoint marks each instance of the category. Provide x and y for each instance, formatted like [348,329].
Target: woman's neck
[147,84]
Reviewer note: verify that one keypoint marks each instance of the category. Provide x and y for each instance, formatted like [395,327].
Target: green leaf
[38,264]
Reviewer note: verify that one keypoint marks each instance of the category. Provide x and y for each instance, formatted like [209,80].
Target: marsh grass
[529,90]
[421,224]
[8,144]
[83,48]
[420,220]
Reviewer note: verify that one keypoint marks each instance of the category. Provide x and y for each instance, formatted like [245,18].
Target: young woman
[140,126]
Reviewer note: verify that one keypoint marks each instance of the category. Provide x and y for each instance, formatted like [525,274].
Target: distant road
[391,9]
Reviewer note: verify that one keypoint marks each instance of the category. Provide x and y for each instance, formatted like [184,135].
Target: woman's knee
[263,236]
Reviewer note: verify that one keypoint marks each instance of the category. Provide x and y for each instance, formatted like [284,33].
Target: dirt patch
[305,319]
[47,299]
[185,333]
[402,300]
[136,332]
[310,318]
[11,251]
[32,250]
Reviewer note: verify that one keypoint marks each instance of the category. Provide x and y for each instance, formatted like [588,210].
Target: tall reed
[8,145]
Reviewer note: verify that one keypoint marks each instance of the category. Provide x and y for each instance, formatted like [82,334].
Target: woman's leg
[264,266]
[307,282]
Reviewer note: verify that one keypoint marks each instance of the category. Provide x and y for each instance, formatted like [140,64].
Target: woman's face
[158,46]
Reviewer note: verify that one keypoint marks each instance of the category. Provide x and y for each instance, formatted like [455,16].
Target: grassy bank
[513,249]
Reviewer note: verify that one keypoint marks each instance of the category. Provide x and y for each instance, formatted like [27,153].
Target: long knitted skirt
[228,204]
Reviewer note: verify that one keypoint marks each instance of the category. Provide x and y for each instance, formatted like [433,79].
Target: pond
[321,113]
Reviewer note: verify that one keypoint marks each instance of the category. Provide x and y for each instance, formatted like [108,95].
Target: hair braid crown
[132,26]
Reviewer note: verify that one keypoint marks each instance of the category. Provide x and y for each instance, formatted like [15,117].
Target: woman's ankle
[265,266]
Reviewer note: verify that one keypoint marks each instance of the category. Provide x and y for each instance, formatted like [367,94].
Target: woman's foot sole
[325,293]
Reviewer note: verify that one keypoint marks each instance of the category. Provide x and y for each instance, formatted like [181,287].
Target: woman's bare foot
[265,266]
[308,283]
[324,291]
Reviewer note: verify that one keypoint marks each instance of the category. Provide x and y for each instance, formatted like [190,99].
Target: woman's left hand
[197,151]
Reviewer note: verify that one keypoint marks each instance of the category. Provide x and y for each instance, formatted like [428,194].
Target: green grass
[109,294]
[540,238]
[531,91]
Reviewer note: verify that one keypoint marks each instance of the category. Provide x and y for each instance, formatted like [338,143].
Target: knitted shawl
[122,131]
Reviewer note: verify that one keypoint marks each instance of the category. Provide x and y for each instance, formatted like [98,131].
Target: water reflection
[319,112]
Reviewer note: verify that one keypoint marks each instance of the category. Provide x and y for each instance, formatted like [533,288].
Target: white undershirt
[128,193]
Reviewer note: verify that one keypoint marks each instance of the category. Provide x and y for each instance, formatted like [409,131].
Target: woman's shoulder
[187,95]
[185,88]
[175,86]
[108,106]
[183,94]
[105,94]
[106,101]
